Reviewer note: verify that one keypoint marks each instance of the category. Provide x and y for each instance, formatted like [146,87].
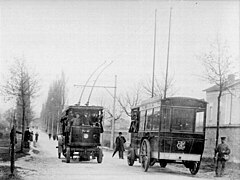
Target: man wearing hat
[222,153]
[120,140]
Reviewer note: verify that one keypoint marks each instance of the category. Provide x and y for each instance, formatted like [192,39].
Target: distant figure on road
[36,136]
[222,153]
[49,135]
[120,140]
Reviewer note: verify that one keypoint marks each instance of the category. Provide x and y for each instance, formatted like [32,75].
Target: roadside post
[12,149]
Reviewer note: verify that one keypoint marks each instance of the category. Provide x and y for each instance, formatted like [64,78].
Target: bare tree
[130,99]
[217,63]
[159,87]
[22,86]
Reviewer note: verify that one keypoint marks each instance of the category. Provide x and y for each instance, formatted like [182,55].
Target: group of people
[28,136]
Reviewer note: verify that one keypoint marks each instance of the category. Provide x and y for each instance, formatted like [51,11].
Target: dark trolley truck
[81,127]
[170,130]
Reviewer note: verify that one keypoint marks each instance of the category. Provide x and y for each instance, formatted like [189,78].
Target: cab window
[142,120]
[149,118]
[199,125]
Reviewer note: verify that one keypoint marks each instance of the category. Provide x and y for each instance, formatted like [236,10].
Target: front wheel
[131,157]
[145,150]
[68,155]
[194,167]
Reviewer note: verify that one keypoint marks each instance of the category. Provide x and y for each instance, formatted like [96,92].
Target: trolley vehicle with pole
[170,130]
[80,128]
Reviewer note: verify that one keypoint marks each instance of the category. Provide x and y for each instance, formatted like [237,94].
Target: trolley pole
[113,119]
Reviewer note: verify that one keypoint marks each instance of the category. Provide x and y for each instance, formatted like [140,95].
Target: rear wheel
[131,157]
[145,154]
[163,164]
[59,155]
[194,167]
[68,155]
[100,156]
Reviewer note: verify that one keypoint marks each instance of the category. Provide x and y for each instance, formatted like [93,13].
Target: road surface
[43,163]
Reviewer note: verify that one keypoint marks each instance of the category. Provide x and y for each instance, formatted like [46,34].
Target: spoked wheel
[131,157]
[145,154]
[68,155]
[194,167]
[100,156]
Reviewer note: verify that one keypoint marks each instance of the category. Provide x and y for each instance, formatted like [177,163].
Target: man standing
[120,140]
[222,153]
[27,135]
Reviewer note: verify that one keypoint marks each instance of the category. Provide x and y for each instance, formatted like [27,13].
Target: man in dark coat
[27,135]
[120,140]
[36,136]
[221,152]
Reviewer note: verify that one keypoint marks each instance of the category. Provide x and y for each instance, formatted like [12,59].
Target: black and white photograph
[119,89]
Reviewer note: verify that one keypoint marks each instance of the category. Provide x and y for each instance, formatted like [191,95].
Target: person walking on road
[222,154]
[36,136]
[49,135]
[120,140]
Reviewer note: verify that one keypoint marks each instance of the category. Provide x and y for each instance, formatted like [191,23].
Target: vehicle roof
[77,107]
[158,99]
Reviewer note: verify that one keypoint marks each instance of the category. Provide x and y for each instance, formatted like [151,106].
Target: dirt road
[44,164]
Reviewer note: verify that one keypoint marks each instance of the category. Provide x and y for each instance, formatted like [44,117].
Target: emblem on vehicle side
[181,145]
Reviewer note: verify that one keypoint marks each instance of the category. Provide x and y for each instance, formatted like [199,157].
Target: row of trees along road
[52,108]
[20,86]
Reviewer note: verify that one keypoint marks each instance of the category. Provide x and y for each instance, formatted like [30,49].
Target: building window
[210,113]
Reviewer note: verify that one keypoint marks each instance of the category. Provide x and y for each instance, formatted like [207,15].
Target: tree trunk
[23,125]
[218,117]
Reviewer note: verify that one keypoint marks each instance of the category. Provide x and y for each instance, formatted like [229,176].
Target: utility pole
[113,120]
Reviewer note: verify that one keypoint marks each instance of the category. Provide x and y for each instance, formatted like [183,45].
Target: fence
[5,145]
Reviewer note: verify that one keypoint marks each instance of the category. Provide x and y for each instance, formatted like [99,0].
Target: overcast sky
[77,36]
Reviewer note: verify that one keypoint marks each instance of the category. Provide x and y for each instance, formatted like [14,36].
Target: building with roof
[229,117]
